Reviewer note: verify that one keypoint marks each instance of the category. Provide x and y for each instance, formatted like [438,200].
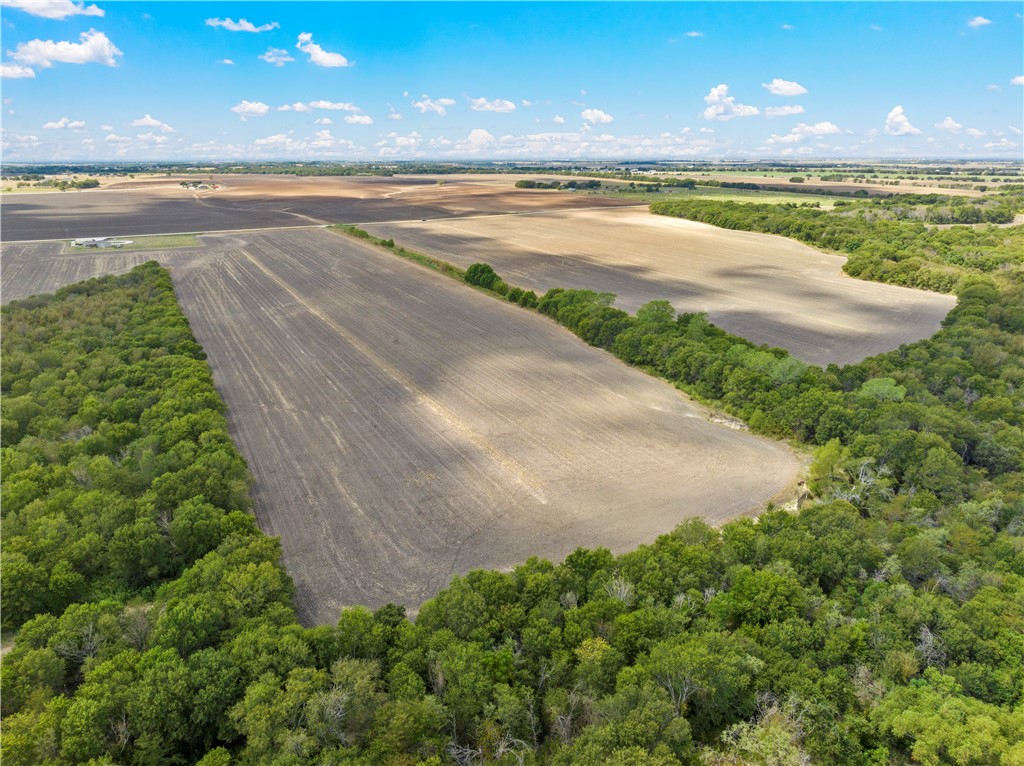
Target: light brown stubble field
[402,428]
[765,288]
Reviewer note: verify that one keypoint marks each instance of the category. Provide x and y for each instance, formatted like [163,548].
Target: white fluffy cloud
[1002,143]
[298,106]
[949,124]
[246,109]
[803,131]
[359,119]
[64,124]
[15,72]
[596,117]
[1018,80]
[323,121]
[440,106]
[337,106]
[975,133]
[979,21]
[151,138]
[783,111]
[695,33]
[897,124]
[722,106]
[226,61]
[780,87]
[559,120]
[318,55]
[54,9]
[497,105]
[151,122]
[94,48]
[276,56]
[478,140]
[241,25]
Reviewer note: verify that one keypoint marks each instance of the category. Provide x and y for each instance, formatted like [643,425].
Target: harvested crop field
[403,428]
[43,267]
[765,288]
[254,201]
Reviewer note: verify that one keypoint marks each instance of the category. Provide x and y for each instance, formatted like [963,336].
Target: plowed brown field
[402,428]
[764,288]
[161,206]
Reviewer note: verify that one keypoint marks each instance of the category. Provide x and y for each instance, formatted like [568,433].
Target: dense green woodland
[882,623]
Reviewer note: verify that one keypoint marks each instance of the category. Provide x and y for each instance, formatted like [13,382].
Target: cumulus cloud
[277,139]
[359,119]
[979,21]
[788,27]
[397,144]
[596,117]
[780,87]
[64,124]
[323,121]
[337,106]
[897,124]
[477,140]
[276,56]
[246,109]
[975,133]
[241,25]
[783,111]
[497,105]
[16,72]
[54,9]
[1002,143]
[323,140]
[559,120]
[394,116]
[695,33]
[949,124]
[226,61]
[1018,80]
[803,131]
[440,106]
[94,48]
[151,138]
[296,107]
[722,106]
[151,122]
[318,55]
[113,138]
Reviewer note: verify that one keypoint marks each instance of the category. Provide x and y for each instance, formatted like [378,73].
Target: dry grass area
[764,288]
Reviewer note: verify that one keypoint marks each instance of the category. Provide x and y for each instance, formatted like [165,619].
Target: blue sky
[331,80]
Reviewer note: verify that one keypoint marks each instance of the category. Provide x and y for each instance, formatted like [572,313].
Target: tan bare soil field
[162,206]
[402,428]
[765,288]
